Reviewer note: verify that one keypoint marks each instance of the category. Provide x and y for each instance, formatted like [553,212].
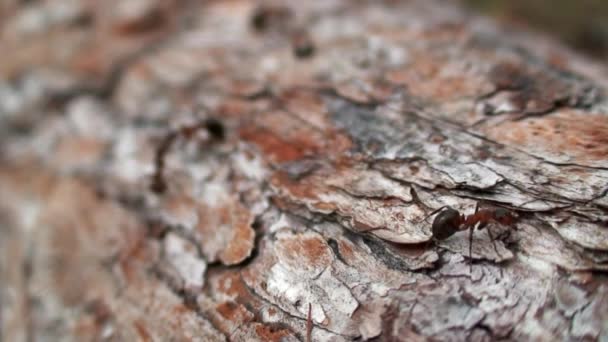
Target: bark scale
[337,128]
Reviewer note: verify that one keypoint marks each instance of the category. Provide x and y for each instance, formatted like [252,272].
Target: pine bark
[209,171]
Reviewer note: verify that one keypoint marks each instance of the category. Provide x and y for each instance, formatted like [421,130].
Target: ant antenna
[434,212]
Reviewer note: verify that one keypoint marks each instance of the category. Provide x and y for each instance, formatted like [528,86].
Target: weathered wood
[343,125]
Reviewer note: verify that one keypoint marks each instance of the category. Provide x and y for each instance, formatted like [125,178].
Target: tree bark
[182,170]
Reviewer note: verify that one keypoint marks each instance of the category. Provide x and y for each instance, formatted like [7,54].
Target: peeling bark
[343,126]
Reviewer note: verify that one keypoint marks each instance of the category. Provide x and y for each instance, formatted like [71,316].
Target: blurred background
[581,24]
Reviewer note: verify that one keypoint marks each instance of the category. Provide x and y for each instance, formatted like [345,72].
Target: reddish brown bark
[125,216]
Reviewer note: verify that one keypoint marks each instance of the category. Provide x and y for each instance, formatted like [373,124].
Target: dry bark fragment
[311,208]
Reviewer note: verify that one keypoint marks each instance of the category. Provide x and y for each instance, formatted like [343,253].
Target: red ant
[213,126]
[449,221]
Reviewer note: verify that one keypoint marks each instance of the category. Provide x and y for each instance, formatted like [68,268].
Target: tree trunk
[189,170]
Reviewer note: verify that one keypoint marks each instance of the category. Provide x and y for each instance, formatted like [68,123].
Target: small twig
[309,324]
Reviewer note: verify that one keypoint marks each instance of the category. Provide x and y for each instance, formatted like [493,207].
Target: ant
[213,126]
[449,221]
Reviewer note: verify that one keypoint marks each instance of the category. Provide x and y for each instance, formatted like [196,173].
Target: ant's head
[504,216]
[446,224]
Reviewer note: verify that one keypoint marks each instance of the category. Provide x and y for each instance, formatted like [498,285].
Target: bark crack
[189,298]
[285,312]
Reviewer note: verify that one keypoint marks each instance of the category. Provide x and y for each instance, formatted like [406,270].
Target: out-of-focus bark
[302,144]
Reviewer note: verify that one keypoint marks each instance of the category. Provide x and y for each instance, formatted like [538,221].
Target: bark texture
[206,170]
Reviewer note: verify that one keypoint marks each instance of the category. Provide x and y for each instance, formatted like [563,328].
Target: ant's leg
[471,228]
[495,248]
[471,249]
[492,240]
[412,310]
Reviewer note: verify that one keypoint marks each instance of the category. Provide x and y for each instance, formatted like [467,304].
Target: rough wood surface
[300,147]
